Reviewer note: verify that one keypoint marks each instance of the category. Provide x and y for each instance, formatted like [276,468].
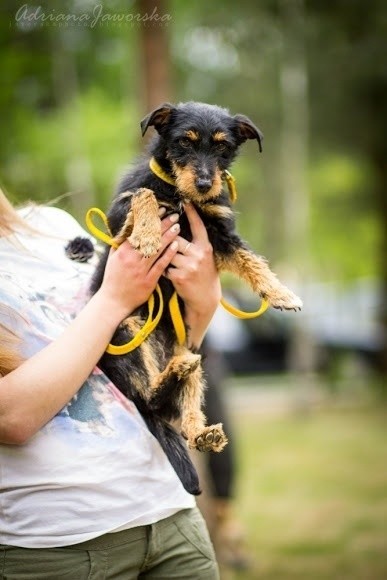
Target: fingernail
[175,228]
[174,217]
[162,211]
[174,245]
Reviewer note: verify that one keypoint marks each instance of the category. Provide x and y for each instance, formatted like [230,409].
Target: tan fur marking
[219,136]
[220,211]
[124,195]
[185,182]
[180,366]
[192,135]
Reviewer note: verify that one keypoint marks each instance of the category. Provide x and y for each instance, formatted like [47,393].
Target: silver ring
[187,247]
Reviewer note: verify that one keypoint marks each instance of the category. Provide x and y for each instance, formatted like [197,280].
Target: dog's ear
[157,118]
[245,129]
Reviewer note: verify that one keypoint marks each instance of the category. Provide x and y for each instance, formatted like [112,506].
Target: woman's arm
[196,279]
[37,390]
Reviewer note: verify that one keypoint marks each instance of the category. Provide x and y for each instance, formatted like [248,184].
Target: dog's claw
[284,299]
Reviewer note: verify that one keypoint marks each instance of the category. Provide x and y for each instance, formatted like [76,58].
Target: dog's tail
[175,448]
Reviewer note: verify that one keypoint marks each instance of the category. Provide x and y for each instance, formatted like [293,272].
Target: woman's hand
[195,278]
[130,278]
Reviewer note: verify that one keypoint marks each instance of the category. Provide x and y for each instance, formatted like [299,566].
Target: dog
[188,159]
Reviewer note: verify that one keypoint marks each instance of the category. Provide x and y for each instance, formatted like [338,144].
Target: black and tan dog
[193,148]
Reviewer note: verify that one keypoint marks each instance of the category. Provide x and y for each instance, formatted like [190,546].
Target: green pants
[176,547]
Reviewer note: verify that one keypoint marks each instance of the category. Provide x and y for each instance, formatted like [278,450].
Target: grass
[312,493]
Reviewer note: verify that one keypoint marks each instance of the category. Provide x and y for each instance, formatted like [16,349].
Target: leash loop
[244,315]
[145,331]
[97,233]
[150,323]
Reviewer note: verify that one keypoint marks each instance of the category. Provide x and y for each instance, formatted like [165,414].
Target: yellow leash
[177,319]
[151,322]
[245,315]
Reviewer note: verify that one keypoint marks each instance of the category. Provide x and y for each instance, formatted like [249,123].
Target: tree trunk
[380,165]
[154,50]
[78,172]
[294,158]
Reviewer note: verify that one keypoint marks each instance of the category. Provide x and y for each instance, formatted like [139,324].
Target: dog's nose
[203,185]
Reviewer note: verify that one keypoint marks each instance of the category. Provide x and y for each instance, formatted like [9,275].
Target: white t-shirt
[95,467]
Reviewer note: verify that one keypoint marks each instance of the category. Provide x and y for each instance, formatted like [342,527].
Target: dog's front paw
[284,299]
[212,438]
[147,245]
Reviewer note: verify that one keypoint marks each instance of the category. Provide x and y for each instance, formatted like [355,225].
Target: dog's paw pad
[211,439]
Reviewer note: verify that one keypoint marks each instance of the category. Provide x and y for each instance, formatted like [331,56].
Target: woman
[86,491]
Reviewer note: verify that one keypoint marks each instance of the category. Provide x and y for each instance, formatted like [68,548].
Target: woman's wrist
[197,323]
[111,312]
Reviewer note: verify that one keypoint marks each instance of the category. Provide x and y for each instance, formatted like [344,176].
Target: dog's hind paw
[212,438]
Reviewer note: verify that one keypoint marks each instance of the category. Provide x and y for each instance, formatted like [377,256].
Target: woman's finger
[168,221]
[198,230]
[162,263]
[167,238]
[185,247]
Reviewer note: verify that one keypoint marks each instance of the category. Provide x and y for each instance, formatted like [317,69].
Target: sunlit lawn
[312,491]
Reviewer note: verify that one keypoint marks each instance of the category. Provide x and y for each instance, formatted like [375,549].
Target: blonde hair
[10,223]
[10,357]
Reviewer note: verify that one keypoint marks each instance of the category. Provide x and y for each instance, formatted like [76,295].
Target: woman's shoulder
[52,221]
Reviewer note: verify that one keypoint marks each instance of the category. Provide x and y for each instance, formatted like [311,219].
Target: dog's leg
[178,390]
[142,224]
[168,384]
[256,272]
[193,420]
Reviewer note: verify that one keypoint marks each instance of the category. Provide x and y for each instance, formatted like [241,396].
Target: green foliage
[71,102]
[97,128]
[343,221]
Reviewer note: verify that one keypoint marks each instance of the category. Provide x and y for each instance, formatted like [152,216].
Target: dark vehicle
[340,320]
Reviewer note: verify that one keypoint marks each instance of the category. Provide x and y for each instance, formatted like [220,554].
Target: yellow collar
[159,171]
[161,174]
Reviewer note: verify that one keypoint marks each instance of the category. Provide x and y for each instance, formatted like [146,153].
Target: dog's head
[200,141]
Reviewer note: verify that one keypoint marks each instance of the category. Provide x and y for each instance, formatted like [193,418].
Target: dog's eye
[184,142]
[221,146]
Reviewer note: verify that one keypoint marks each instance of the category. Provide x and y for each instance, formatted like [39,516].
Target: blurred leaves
[71,102]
